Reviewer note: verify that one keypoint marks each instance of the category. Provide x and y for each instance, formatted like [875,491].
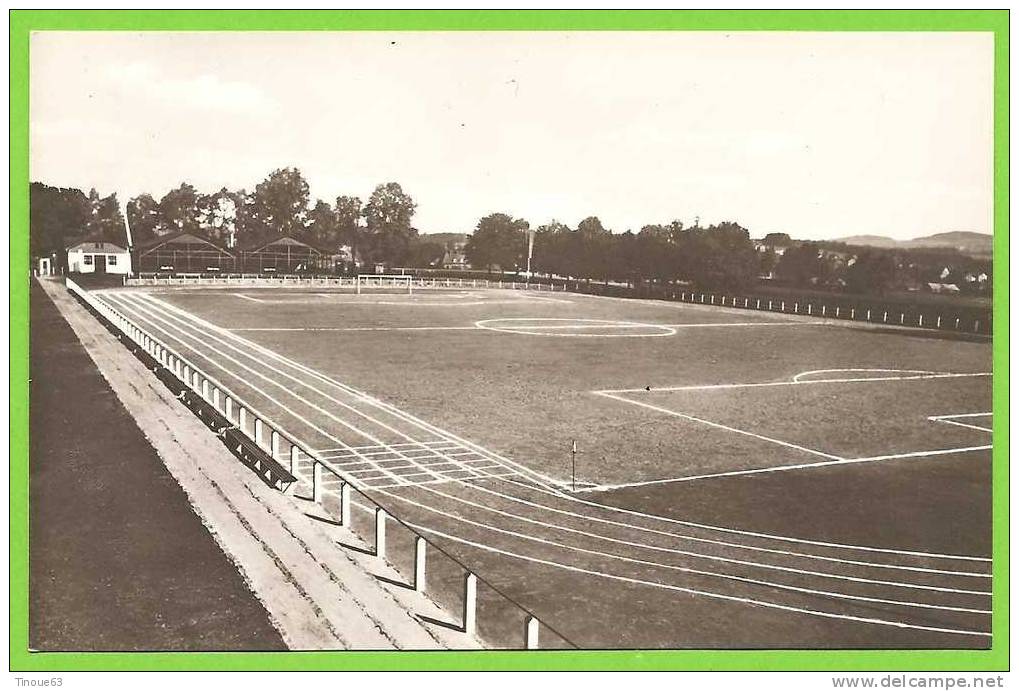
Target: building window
[111,260]
[88,260]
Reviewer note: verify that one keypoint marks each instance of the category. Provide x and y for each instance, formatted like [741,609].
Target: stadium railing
[254,431]
[849,308]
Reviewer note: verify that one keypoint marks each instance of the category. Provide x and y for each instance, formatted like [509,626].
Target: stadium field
[743,479]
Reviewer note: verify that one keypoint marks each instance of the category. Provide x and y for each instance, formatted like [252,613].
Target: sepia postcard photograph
[620,333]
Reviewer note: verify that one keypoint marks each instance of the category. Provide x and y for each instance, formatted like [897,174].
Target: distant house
[455,258]
[100,256]
[183,252]
[283,254]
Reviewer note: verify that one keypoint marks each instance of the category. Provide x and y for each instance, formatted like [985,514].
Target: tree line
[716,256]
[379,230]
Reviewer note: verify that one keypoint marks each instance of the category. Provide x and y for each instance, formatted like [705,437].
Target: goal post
[405,283]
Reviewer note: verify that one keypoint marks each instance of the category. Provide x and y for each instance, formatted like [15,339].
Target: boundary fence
[273,453]
[850,308]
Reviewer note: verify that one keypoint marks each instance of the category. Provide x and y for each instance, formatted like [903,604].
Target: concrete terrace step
[319,595]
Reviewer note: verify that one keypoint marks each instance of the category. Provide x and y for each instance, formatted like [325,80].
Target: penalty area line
[782,468]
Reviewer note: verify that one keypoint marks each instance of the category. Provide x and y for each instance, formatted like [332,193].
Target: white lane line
[727,428]
[191,328]
[782,468]
[747,533]
[711,541]
[535,476]
[138,313]
[667,550]
[805,382]
[693,591]
[541,487]
[701,572]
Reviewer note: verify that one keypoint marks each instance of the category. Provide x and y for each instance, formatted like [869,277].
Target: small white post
[852,313]
[242,418]
[921,320]
[420,555]
[470,605]
[345,504]
[824,310]
[205,388]
[380,533]
[885,317]
[228,407]
[293,459]
[758,303]
[957,323]
[531,634]
[274,444]
[939,322]
[976,326]
[810,308]
[316,483]
[259,441]
[837,310]
[868,315]
[746,302]
[215,397]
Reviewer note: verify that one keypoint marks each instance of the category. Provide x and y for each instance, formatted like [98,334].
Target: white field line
[959,415]
[185,326]
[697,572]
[656,548]
[357,328]
[718,425]
[951,420]
[808,373]
[692,591]
[781,468]
[806,382]
[540,488]
[138,309]
[418,444]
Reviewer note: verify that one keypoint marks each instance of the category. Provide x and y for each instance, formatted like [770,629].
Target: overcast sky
[817,135]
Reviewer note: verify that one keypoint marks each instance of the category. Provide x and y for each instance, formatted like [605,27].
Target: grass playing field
[743,479]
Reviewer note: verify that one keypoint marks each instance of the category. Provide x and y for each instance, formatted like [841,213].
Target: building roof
[281,241]
[183,237]
[118,240]
[98,246]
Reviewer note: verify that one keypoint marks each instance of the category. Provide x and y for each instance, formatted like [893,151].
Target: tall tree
[498,240]
[178,210]
[388,216]
[57,218]
[322,226]
[217,214]
[279,205]
[349,212]
[105,219]
[143,216]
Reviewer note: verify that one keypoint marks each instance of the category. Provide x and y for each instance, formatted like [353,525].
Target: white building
[98,256]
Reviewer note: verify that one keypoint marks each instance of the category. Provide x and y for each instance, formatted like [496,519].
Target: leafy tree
[217,214]
[178,210]
[278,206]
[551,249]
[721,256]
[388,216]
[871,272]
[143,217]
[105,219]
[349,212]
[498,240]
[322,226]
[57,218]
[800,265]
[425,253]
[777,240]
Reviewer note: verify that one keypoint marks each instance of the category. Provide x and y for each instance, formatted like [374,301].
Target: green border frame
[22,23]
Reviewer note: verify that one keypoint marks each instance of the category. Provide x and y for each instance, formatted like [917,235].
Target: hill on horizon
[965,241]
